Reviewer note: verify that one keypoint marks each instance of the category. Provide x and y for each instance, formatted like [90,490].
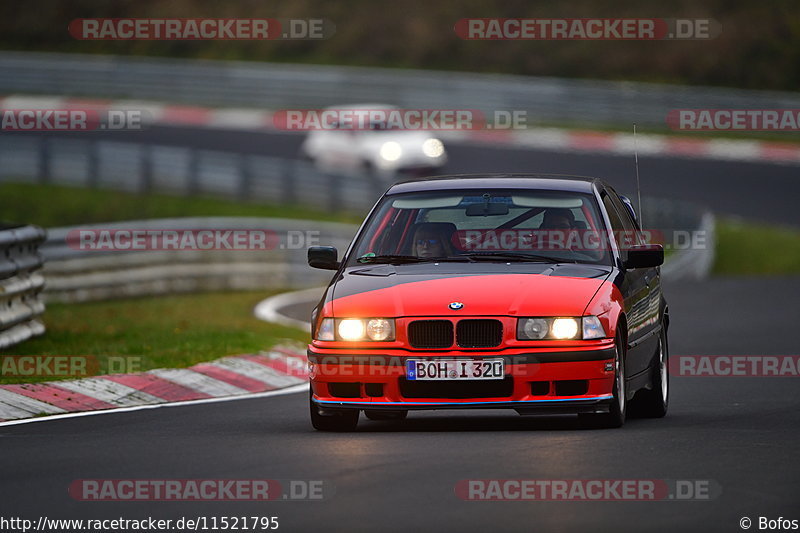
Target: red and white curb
[556,139]
[241,376]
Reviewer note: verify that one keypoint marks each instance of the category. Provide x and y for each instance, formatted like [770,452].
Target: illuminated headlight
[356,329]
[390,151]
[351,329]
[432,147]
[564,328]
[586,328]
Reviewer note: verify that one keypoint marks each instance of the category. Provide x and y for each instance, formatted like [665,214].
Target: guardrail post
[146,183]
[45,153]
[289,172]
[245,177]
[92,164]
[193,177]
[334,188]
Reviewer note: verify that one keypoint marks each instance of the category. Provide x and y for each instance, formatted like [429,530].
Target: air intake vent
[479,333]
[430,333]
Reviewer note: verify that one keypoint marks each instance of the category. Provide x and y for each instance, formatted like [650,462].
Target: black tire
[619,405]
[332,420]
[653,403]
[385,415]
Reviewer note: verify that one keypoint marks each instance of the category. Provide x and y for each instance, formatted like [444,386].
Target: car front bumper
[576,380]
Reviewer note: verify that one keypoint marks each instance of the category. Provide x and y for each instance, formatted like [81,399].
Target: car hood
[522,289]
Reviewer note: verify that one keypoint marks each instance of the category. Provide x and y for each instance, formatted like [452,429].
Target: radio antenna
[638,186]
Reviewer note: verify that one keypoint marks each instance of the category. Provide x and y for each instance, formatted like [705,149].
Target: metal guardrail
[279,86]
[20,283]
[138,167]
[75,275]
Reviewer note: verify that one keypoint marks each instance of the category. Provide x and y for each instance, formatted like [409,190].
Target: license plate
[458,369]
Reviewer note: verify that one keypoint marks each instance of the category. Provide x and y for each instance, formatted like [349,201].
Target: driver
[432,240]
[558,218]
[556,229]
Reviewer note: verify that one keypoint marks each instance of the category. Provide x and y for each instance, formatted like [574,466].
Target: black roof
[552,182]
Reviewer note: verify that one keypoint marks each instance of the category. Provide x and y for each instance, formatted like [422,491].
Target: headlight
[562,328]
[432,147]
[356,329]
[325,331]
[391,151]
[532,328]
[351,329]
[592,328]
[380,329]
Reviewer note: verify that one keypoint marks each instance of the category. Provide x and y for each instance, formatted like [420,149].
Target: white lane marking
[646,144]
[13,405]
[198,382]
[258,372]
[110,391]
[289,390]
[734,149]
[18,101]
[236,118]
[542,138]
[269,310]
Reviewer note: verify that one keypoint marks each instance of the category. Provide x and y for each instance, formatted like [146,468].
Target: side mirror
[645,256]
[324,257]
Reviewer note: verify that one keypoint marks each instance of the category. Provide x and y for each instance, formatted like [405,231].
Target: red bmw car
[527,292]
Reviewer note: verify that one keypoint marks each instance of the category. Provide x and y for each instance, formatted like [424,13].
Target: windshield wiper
[401,259]
[511,256]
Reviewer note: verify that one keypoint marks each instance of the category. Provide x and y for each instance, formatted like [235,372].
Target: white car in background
[375,149]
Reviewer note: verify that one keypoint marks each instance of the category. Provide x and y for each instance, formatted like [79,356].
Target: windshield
[484,225]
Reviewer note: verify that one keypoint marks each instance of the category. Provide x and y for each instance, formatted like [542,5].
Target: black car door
[636,286]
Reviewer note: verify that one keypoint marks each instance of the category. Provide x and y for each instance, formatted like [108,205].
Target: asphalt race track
[740,434]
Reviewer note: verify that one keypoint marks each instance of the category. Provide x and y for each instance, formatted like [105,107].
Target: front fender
[609,306]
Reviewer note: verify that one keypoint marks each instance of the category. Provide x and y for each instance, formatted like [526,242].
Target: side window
[618,226]
[632,235]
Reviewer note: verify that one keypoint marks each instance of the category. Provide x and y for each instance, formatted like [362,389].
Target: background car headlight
[565,328]
[356,329]
[432,147]
[562,328]
[390,151]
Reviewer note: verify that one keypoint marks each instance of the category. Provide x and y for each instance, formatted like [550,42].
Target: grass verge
[147,333]
[57,205]
[756,249]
